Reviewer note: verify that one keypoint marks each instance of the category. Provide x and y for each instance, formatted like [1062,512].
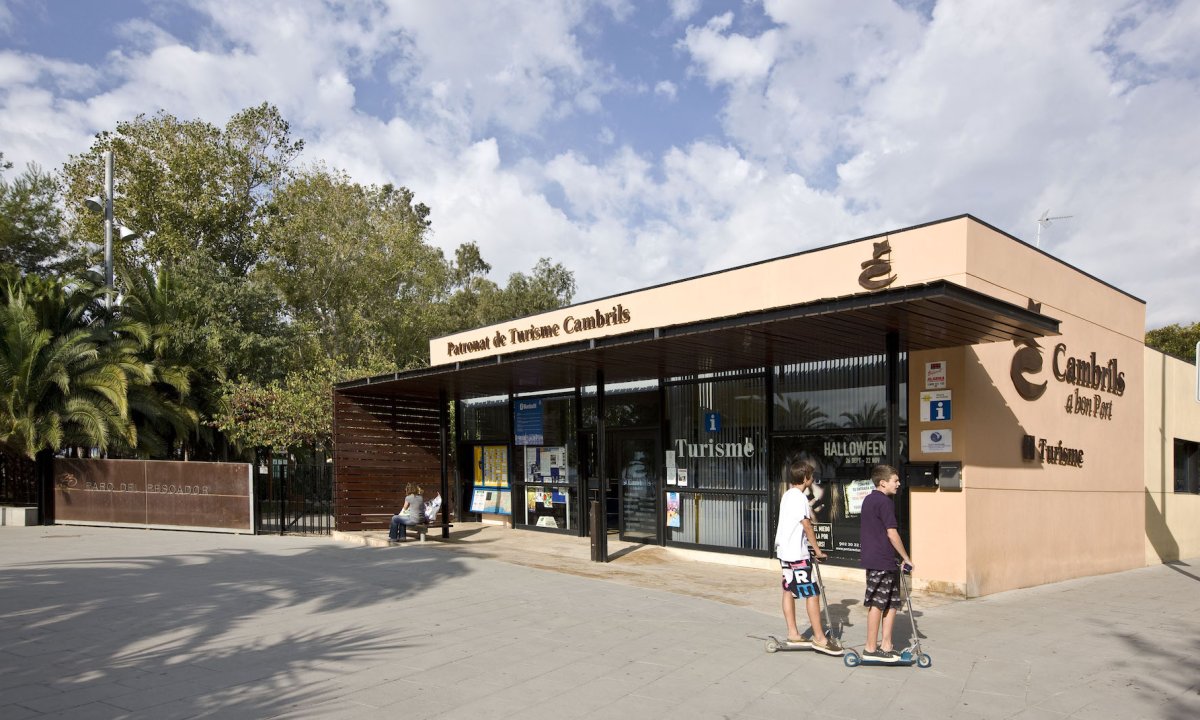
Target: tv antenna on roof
[1045,220]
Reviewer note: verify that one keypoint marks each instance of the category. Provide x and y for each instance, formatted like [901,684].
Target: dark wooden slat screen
[380,445]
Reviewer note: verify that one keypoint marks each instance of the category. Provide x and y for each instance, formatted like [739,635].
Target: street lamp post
[108,218]
[105,205]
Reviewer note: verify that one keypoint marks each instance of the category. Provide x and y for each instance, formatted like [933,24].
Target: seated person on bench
[410,514]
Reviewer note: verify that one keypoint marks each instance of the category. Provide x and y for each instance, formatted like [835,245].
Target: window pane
[717,432]
[484,419]
[549,469]
[846,393]
[1187,460]
[721,520]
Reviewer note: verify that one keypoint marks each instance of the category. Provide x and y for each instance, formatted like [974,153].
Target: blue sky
[642,142]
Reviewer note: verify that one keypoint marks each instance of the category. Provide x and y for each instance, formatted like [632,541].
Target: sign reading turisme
[515,336]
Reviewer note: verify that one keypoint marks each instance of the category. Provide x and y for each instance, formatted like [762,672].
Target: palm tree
[869,416]
[57,388]
[800,414]
[166,406]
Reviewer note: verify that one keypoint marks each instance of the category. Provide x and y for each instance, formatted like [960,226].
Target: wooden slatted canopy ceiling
[934,315]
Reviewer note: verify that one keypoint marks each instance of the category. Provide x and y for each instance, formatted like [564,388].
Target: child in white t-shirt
[797,549]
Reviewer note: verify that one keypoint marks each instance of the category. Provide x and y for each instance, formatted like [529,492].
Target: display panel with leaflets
[547,492]
[491,494]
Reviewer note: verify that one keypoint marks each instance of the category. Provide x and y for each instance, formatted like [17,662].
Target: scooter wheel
[772,645]
[851,659]
[924,661]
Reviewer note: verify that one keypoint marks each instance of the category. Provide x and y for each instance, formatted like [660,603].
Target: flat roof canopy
[934,315]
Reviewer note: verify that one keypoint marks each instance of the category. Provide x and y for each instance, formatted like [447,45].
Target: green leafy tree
[475,300]
[1176,340]
[198,195]
[292,413]
[31,237]
[189,187]
[550,285]
[360,278]
[353,266]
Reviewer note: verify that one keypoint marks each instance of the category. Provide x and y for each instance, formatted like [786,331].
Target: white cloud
[793,86]
[684,9]
[837,121]
[23,70]
[1001,109]
[509,65]
[1003,113]
[730,58]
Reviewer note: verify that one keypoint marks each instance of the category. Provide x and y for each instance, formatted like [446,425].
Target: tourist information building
[1038,439]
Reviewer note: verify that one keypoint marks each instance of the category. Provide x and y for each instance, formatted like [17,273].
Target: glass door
[633,459]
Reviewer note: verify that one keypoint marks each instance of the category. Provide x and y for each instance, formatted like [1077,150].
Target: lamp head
[128,235]
[94,204]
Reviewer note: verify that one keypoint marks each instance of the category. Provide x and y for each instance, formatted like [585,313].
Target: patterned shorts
[883,589]
[798,578]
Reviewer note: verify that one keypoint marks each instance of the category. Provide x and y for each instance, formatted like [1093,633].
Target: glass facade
[715,463]
[833,414]
[698,461]
[547,480]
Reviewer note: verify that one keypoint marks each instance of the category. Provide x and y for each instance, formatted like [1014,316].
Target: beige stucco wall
[1027,523]
[938,519]
[1172,520]
[1016,523]
[919,255]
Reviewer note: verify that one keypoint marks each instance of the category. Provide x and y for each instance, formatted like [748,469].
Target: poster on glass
[842,463]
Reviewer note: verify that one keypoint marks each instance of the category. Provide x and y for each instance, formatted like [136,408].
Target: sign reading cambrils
[935,375]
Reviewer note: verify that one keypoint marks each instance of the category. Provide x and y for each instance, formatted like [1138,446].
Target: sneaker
[803,642]
[831,647]
[881,655]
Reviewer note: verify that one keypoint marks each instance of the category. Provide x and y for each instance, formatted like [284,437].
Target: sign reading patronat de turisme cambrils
[518,335]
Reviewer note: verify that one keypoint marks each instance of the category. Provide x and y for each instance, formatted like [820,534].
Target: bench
[422,530]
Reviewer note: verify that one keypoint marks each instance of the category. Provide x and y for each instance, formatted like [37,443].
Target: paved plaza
[496,623]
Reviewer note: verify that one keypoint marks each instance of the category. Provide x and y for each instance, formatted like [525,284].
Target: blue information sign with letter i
[939,410]
[712,422]
[935,406]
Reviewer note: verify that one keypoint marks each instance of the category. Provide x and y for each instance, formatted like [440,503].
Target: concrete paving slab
[502,623]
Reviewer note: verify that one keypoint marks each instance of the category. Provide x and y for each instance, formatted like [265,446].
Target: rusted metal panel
[154,493]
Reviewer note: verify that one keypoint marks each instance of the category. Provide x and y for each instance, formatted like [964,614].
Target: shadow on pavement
[184,633]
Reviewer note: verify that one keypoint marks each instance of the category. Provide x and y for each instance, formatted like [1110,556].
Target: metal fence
[293,497]
[18,480]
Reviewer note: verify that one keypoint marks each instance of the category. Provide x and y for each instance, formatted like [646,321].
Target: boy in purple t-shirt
[879,543]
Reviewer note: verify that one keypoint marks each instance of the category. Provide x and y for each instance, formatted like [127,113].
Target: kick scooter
[910,655]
